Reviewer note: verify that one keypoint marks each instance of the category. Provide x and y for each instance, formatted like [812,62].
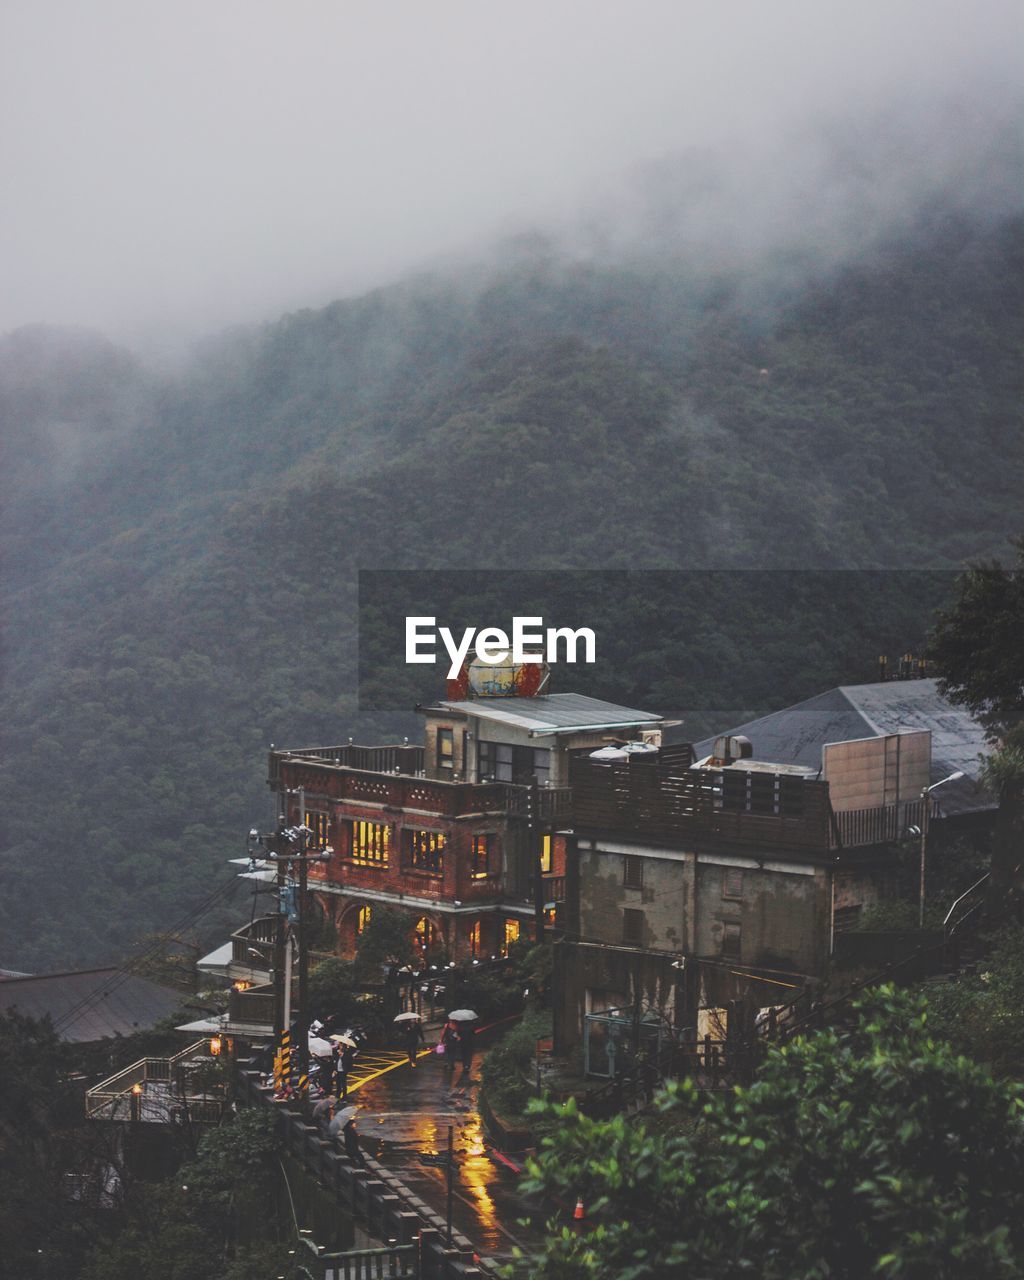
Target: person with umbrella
[463,1020]
[343,1129]
[412,1034]
[323,1114]
[344,1056]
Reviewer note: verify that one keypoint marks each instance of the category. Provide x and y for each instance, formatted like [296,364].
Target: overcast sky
[175,167]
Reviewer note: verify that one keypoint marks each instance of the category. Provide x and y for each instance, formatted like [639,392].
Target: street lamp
[923,829]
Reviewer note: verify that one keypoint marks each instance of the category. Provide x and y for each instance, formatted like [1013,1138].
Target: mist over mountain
[181,546]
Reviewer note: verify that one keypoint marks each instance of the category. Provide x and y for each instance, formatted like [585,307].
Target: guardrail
[112,1099]
[372,1194]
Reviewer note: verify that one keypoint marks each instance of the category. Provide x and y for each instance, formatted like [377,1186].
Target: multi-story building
[462,832]
[704,890]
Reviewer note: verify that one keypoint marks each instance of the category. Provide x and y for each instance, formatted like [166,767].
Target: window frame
[375,852]
[445,738]
[632,863]
[425,850]
[474,855]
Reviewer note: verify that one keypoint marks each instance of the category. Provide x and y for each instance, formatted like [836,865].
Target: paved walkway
[404,1114]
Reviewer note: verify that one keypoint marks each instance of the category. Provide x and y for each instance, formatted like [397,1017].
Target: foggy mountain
[181,547]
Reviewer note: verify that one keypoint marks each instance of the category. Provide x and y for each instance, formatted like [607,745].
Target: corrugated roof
[554,712]
[797,734]
[91,1004]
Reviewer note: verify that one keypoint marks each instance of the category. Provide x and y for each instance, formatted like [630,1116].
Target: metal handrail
[965,894]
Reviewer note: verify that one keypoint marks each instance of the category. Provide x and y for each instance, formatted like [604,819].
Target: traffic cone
[578,1214]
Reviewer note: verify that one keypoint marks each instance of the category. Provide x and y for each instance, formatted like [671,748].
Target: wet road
[404,1114]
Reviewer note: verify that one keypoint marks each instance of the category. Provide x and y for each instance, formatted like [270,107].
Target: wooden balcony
[666,802]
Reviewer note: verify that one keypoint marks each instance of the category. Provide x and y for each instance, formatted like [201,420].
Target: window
[363,919]
[426,851]
[495,761]
[732,883]
[505,763]
[320,825]
[846,918]
[425,937]
[731,939]
[632,927]
[479,857]
[474,939]
[511,935]
[446,748]
[632,872]
[545,855]
[369,843]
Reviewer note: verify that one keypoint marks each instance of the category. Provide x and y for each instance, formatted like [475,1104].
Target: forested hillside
[181,550]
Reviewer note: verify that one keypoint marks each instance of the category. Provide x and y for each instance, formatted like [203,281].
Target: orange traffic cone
[578,1214]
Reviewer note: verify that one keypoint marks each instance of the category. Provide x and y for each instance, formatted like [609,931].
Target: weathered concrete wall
[783,918]
[692,905]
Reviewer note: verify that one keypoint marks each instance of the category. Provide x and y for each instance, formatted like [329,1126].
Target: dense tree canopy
[875,1151]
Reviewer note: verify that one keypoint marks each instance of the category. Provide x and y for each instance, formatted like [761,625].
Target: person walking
[346,1058]
[450,1041]
[467,1033]
[323,1114]
[412,1038]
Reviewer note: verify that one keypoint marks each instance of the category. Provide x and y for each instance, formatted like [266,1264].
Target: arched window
[363,919]
[426,935]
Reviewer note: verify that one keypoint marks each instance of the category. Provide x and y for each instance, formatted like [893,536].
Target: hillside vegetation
[181,550]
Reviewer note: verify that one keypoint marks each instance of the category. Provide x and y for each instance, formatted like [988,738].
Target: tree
[978,645]
[386,940]
[869,1152]
[978,648]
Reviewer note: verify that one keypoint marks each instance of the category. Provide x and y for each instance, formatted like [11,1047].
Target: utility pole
[536,837]
[302,1028]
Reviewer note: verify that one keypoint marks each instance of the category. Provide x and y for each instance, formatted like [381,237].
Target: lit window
[446,749]
[369,843]
[426,851]
[511,935]
[474,939]
[426,935]
[319,824]
[479,860]
[363,919]
[545,855]
[632,927]
[632,872]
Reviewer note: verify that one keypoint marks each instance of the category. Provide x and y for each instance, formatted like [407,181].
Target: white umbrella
[342,1117]
[408,1017]
[462,1015]
[321,1048]
[346,1040]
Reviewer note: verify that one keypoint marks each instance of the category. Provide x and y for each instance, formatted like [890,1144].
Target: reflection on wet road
[405,1113]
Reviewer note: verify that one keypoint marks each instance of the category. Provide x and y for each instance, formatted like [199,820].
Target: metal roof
[554,713]
[91,1004]
[797,734]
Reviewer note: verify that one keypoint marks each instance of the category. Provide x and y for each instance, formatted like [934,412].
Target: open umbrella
[346,1040]
[463,1015]
[343,1116]
[319,1048]
[408,1017]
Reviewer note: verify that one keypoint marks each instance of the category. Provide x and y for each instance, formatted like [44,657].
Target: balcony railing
[386,759]
[666,802]
[323,775]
